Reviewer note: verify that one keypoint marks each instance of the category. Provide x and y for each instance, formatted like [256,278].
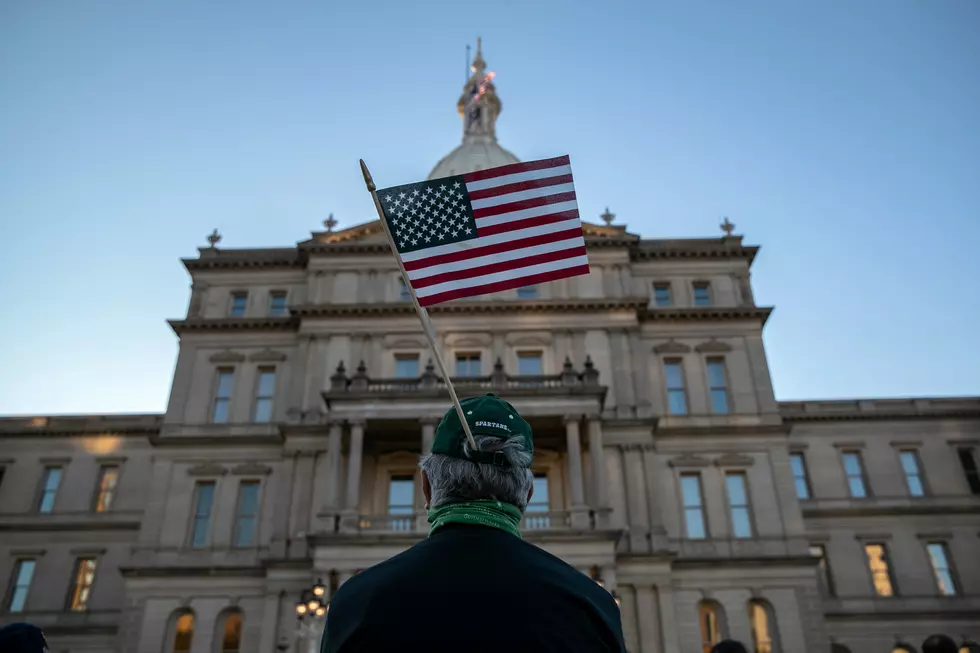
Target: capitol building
[665,468]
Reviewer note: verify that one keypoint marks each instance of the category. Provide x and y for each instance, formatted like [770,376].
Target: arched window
[711,617]
[183,631]
[229,634]
[763,621]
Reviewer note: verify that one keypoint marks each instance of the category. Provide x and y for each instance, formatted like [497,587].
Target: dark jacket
[472,588]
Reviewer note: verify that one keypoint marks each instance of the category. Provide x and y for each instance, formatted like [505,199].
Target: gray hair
[454,480]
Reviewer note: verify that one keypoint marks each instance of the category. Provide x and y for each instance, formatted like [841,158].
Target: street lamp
[310,611]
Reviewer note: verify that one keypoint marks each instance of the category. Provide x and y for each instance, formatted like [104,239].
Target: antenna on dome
[466,76]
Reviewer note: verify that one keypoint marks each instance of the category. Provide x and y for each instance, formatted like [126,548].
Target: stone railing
[545,521]
[388,523]
[415,523]
[361,383]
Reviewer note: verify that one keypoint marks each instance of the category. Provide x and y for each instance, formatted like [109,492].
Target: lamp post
[311,610]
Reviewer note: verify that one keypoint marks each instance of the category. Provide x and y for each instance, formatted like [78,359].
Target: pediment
[689,460]
[713,347]
[267,356]
[671,347]
[227,356]
[734,460]
[207,469]
[366,233]
[593,230]
[251,469]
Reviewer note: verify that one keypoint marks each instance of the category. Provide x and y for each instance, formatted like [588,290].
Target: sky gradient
[841,136]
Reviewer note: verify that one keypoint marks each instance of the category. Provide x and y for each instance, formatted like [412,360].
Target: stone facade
[338,423]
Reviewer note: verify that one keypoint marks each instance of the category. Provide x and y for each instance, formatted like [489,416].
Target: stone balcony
[404,524]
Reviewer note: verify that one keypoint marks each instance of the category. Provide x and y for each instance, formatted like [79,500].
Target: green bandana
[483,512]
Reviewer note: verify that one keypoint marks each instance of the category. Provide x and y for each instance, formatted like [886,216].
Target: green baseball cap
[486,415]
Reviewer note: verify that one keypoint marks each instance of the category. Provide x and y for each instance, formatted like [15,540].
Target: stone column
[639,517]
[331,503]
[428,434]
[668,619]
[608,573]
[648,620]
[580,513]
[600,486]
[348,522]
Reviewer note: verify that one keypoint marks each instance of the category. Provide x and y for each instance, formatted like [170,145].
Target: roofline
[880,409]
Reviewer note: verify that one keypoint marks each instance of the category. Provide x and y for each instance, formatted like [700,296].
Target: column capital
[357,422]
[593,417]
[572,419]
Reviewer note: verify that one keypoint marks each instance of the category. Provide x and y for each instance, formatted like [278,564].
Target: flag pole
[422,313]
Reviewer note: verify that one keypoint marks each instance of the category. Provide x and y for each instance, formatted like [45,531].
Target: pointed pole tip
[368,180]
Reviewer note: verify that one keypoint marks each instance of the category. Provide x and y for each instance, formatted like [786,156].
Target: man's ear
[426,488]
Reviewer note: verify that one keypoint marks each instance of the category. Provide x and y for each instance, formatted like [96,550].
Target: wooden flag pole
[422,313]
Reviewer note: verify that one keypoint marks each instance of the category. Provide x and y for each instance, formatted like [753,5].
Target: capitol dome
[479,107]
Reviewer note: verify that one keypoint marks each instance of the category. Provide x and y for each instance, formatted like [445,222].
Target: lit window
[709,616]
[222,395]
[939,557]
[702,293]
[969,462]
[82,587]
[231,639]
[662,295]
[529,363]
[265,390]
[676,394]
[201,522]
[693,508]
[239,301]
[49,489]
[246,515]
[407,366]
[880,569]
[823,568]
[183,633]
[468,364]
[798,465]
[401,495]
[108,477]
[23,573]
[855,474]
[763,625]
[717,385]
[527,292]
[913,475]
[738,504]
[277,302]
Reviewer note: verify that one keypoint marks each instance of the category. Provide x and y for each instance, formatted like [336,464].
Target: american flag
[487,231]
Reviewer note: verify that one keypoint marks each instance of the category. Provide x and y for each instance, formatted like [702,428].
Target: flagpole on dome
[419,309]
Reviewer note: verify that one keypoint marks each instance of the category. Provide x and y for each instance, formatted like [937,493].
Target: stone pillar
[668,620]
[580,514]
[428,434]
[334,458]
[648,619]
[639,517]
[270,622]
[600,486]
[296,389]
[348,522]
[608,573]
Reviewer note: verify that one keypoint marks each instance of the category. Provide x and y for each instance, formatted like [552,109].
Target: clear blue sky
[842,136]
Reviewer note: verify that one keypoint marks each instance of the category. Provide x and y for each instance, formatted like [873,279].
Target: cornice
[218,259]
[700,248]
[470,307]
[234,324]
[81,425]
[880,409]
[705,313]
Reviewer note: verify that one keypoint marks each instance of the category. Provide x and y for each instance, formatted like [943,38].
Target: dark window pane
[969,462]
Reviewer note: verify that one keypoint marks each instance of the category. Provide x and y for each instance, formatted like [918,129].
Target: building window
[49,489]
[913,474]
[702,293]
[401,502]
[717,385]
[676,394]
[969,462]
[709,617]
[878,565]
[222,395]
[404,293]
[939,557]
[529,363]
[277,302]
[239,301]
[407,366]
[106,488]
[21,585]
[527,292]
[738,504]
[854,469]
[800,481]
[201,521]
[82,587]
[823,569]
[265,390]
[231,638]
[662,295]
[536,515]
[468,364]
[763,622]
[693,508]
[183,633]
[246,514]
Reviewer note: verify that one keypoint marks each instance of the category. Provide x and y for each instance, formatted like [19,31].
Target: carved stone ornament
[251,469]
[671,347]
[734,460]
[207,469]
[227,356]
[689,460]
[267,356]
[713,347]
